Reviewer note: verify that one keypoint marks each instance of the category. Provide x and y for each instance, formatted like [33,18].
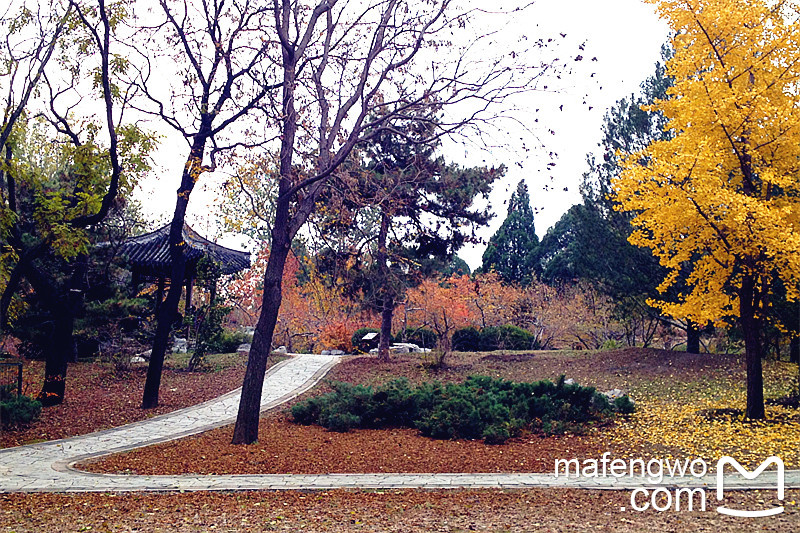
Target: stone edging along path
[47,467]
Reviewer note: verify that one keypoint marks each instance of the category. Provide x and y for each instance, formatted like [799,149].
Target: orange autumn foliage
[314,315]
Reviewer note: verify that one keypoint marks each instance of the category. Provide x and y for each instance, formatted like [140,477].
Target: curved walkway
[47,467]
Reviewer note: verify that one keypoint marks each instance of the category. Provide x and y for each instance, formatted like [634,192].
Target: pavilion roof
[150,252]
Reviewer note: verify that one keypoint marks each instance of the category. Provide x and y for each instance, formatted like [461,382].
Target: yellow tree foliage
[719,200]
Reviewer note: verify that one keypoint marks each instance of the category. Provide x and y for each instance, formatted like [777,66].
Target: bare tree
[349,71]
[220,50]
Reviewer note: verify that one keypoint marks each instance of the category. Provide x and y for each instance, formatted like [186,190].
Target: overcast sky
[624,35]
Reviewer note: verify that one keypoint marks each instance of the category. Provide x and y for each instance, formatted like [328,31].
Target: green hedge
[493,338]
[19,411]
[480,407]
[422,337]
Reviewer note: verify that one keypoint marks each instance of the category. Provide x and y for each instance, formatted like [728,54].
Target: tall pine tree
[512,251]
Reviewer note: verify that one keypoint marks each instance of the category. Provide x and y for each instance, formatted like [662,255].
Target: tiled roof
[150,252]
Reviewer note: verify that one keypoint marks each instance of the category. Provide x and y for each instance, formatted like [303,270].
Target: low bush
[229,341]
[19,411]
[480,407]
[492,338]
[422,337]
[466,340]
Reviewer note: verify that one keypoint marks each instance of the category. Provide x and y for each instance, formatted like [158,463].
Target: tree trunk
[387,302]
[752,343]
[386,328]
[60,352]
[169,309]
[692,338]
[166,316]
[794,350]
[246,429]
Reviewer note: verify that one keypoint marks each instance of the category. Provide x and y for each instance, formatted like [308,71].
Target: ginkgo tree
[721,195]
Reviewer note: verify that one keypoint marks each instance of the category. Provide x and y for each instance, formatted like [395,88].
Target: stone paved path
[46,467]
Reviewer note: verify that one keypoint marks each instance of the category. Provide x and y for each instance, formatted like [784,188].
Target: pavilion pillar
[160,293]
[188,307]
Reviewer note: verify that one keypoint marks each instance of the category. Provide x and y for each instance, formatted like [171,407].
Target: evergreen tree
[512,250]
[590,242]
[397,216]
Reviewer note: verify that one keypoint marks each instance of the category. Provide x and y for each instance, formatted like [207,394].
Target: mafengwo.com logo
[663,498]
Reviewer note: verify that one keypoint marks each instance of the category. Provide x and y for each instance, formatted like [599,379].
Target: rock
[145,354]
[411,347]
[137,359]
[337,352]
[180,345]
[247,330]
[569,381]
[374,351]
[243,349]
[326,352]
[613,394]
[280,350]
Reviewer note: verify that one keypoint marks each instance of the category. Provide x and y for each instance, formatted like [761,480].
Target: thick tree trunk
[177,248]
[386,328]
[794,350]
[692,338]
[167,312]
[60,352]
[246,429]
[752,343]
[60,302]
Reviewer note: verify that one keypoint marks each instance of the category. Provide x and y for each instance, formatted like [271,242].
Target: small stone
[613,394]
[280,350]
[326,352]
[180,345]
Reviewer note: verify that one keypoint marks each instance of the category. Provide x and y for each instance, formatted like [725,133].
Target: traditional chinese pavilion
[149,260]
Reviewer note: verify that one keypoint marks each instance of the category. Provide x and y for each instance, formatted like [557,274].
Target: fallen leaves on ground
[378,512]
[98,397]
[666,424]
[703,419]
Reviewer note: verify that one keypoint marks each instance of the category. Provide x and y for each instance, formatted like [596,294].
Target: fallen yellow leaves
[706,421]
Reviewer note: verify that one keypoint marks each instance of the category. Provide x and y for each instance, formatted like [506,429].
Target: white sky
[624,35]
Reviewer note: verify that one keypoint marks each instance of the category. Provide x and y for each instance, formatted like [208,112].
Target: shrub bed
[480,407]
[18,411]
[493,338]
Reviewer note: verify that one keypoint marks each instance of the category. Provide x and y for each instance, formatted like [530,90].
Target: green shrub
[7,392]
[611,344]
[624,405]
[480,407]
[493,338]
[422,337]
[19,411]
[467,340]
[496,434]
[228,341]
[507,337]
